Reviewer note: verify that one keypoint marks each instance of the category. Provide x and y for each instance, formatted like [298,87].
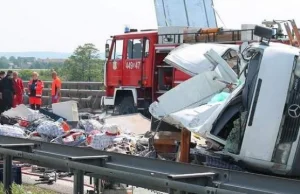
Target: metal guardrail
[76,92]
[160,175]
[75,85]
[87,94]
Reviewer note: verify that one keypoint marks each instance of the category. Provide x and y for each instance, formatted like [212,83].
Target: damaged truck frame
[269,98]
[257,125]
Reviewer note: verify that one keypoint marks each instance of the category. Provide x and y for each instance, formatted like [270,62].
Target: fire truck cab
[135,73]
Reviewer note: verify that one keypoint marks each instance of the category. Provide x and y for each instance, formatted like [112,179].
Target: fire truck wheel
[146,112]
[126,106]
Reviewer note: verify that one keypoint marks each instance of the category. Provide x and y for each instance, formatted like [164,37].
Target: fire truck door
[136,62]
[114,64]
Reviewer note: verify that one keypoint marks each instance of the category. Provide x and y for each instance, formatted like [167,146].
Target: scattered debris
[48,178]
[110,133]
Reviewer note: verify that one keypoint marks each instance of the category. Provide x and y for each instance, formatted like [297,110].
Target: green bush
[26,189]
[25,74]
[44,75]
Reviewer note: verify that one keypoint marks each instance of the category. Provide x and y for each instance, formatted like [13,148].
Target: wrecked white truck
[252,117]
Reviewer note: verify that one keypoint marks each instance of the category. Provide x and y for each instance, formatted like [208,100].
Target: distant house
[25,65]
[51,60]
[27,59]
[11,65]
[26,62]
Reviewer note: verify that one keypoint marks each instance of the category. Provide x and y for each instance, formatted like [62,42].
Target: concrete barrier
[75,85]
[87,94]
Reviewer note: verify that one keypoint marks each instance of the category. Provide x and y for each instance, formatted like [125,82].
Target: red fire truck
[135,74]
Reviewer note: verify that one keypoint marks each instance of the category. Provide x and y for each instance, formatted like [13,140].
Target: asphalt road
[65,186]
[60,186]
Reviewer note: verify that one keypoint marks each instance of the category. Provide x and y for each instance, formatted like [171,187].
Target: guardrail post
[97,183]
[173,191]
[78,182]
[7,174]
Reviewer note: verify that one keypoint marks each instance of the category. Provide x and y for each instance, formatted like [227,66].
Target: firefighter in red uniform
[35,90]
[19,89]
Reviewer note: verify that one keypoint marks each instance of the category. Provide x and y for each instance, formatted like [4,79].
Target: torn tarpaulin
[195,108]
[191,59]
[204,62]
[189,94]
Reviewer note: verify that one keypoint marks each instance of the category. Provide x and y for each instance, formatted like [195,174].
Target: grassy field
[26,189]
[24,69]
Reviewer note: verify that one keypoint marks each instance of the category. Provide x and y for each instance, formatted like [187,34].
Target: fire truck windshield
[134,49]
[117,50]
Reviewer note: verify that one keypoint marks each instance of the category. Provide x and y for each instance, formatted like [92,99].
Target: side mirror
[263,32]
[106,50]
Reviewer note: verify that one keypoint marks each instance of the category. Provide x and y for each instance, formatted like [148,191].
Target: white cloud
[61,25]
[237,12]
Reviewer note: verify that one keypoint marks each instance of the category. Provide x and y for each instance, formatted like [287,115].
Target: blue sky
[62,25]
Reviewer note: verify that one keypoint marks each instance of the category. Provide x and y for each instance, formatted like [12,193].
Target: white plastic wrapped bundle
[111,135]
[90,125]
[50,129]
[34,116]
[102,141]
[13,131]
[111,128]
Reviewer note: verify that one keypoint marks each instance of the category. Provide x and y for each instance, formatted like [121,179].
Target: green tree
[25,74]
[4,63]
[44,75]
[36,65]
[84,64]
[13,60]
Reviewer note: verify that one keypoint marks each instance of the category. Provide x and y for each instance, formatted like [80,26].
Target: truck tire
[146,112]
[126,106]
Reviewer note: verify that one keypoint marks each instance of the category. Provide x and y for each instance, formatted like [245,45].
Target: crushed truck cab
[258,122]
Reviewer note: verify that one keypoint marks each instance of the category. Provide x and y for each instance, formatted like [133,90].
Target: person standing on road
[2,75]
[56,87]
[8,91]
[35,91]
[19,89]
